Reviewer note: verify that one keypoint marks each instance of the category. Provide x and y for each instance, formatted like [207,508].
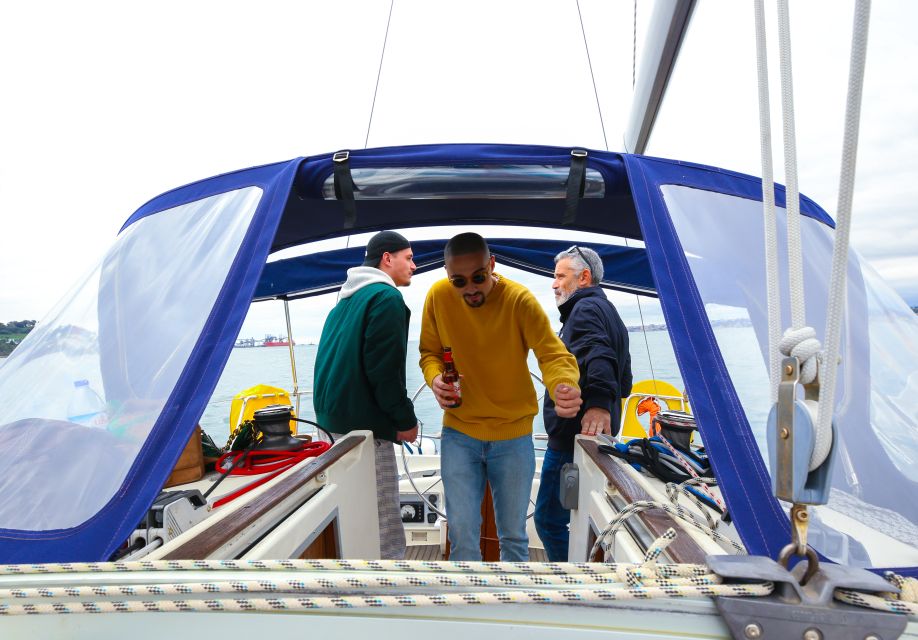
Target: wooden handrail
[220,533]
[683,549]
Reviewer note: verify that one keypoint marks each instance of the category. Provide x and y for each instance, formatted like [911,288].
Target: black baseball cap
[382,242]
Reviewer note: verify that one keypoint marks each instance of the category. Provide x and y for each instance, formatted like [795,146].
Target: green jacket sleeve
[385,350]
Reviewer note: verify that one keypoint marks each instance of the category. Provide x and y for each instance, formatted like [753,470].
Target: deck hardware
[797,610]
[792,437]
[570,485]
[322,477]
[753,631]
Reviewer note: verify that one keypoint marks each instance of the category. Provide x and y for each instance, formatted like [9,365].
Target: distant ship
[275,341]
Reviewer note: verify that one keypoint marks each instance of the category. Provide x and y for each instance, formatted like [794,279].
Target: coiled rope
[606,538]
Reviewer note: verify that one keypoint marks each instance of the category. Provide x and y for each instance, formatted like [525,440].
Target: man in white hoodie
[359,380]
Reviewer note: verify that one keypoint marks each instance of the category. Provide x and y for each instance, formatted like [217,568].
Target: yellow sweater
[490,346]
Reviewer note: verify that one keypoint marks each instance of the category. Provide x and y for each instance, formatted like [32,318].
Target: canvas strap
[344,187]
[576,182]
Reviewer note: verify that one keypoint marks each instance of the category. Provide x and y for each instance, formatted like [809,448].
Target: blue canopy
[300,201]
[626,269]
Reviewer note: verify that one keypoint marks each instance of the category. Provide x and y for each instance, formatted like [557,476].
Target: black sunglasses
[460,281]
[582,257]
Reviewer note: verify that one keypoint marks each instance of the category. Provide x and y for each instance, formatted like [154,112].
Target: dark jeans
[551,519]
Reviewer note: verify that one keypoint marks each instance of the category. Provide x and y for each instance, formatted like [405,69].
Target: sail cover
[151,328]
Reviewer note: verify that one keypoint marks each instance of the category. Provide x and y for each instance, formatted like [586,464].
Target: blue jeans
[551,519]
[508,466]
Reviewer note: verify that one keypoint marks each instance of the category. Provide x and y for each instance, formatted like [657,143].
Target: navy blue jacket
[595,334]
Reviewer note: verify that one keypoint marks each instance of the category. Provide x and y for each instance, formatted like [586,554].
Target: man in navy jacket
[595,334]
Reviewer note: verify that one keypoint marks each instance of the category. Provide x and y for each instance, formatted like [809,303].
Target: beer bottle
[451,375]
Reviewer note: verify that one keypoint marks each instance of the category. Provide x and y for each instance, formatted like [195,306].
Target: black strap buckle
[345,187]
[576,184]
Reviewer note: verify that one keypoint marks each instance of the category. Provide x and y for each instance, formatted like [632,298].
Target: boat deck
[432,552]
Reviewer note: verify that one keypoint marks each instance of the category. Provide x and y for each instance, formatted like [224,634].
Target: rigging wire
[382,55]
[605,140]
[634,48]
[592,77]
[366,141]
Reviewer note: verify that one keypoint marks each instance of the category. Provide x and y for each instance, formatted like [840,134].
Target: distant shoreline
[732,322]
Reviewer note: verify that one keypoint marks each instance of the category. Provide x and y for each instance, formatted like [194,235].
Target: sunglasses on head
[582,257]
[460,281]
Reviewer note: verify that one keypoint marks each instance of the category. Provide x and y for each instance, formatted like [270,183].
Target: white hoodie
[359,277]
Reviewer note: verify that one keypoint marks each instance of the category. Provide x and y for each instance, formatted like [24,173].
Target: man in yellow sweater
[490,323]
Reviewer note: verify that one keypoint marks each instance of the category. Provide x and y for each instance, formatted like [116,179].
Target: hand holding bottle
[444,392]
[451,377]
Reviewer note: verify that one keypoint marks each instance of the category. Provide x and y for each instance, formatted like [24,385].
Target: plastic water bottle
[85,406]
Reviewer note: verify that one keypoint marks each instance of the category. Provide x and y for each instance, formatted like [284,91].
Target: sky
[104,105]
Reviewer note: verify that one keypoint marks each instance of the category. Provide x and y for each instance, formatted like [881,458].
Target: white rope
[905,602]
[794,244]
[673,491]
[768,204]
[364,566]
[605,540]
[311,582]
[802,344]
[908,586]
[691,471]
[296,590]
[300,603]
[837,284]
[876,602]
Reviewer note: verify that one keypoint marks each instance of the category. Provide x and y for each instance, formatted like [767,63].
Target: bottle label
[94,419]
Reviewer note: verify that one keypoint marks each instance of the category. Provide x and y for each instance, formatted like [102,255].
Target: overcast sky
[104,105]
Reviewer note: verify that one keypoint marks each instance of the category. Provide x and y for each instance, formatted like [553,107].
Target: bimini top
[151,329]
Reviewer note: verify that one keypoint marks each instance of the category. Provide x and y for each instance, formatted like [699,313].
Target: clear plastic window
[872,512]
[485,181]
[81,393]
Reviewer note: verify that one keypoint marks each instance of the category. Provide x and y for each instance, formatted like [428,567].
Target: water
[271,365]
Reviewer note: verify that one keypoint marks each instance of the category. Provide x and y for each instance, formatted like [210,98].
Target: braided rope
[835,305]
[313,584]
[299,603]
[673,491]
[366,566]
[768,202]
[875,602]
[676,512]
[906,601]
[908,587]
[802,344]
[688,467]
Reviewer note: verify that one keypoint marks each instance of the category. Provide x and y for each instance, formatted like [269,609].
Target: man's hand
[444,392]
[567,401]
[596,420]
[407,436]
